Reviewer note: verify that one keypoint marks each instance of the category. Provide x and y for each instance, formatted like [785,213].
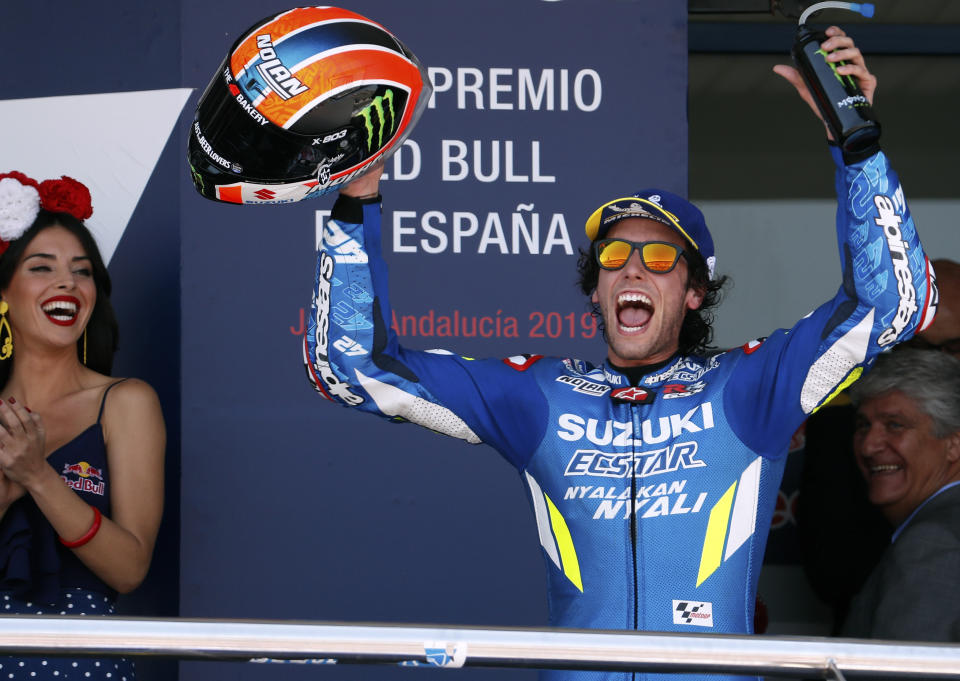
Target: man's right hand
[367,186]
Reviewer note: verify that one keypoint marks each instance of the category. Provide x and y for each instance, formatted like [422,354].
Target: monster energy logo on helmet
[375,119]
[197,178]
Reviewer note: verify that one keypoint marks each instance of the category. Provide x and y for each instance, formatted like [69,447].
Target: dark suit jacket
[841,534]
[913,594]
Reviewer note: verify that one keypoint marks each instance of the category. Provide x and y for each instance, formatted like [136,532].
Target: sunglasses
[659,257]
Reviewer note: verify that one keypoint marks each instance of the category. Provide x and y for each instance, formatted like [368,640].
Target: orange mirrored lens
[657,257]
[660,257]
[614,254]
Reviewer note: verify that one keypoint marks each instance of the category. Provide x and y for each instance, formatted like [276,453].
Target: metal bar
[434,646]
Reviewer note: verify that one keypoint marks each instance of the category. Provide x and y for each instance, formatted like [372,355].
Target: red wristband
[91,533]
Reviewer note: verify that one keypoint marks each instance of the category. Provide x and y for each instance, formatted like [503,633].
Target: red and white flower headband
[21,199]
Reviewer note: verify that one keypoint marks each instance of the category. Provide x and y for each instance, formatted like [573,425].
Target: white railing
[312,642]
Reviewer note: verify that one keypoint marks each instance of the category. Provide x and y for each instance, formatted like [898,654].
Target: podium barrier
[429,646]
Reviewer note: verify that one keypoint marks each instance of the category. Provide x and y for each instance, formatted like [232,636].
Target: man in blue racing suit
[653,477]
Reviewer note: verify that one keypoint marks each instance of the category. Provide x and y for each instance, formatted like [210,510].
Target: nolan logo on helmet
[277,76]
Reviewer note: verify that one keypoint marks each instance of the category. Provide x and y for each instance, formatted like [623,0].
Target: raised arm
[354,357]
[888,292]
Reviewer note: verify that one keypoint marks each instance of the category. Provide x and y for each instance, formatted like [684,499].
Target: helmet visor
[230,137]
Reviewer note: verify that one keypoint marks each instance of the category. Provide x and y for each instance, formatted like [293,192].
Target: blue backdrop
[295,508]
[286,506]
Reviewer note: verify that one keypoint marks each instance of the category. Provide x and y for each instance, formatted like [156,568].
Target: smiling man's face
[898,454]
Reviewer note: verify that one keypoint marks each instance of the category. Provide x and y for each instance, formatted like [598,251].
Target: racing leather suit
[652,502]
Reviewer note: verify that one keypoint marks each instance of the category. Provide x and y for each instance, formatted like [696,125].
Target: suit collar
[945,496]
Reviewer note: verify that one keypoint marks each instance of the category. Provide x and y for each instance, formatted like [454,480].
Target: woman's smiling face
[52,292]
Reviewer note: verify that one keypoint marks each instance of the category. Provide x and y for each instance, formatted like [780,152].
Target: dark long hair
[102,330]
[696,332]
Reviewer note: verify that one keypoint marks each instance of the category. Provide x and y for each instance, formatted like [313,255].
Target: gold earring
[84,346]
[6,349]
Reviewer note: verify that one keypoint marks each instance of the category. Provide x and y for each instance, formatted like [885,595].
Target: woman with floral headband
[81,452]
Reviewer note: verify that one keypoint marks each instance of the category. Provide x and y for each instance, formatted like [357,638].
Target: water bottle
[842,104]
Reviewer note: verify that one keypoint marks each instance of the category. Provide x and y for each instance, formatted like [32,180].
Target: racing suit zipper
[634,529]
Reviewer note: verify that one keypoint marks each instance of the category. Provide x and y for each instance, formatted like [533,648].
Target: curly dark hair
[102,328]
[696,332]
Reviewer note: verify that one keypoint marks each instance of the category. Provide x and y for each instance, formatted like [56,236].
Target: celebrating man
[652,476]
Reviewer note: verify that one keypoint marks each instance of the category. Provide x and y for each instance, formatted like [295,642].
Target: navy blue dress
[40,576]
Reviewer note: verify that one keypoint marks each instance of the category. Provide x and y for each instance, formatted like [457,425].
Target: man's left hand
[839,47]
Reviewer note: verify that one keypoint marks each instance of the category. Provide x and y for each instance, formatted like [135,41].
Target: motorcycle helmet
[305,101]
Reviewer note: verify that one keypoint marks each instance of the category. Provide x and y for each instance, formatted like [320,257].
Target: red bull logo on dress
[83,477]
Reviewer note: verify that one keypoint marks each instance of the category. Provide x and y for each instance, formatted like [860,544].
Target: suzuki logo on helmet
[276,75]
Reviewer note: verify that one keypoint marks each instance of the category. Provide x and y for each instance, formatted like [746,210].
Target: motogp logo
[696,613]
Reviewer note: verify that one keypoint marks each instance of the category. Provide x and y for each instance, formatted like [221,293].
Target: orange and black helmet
[305,101]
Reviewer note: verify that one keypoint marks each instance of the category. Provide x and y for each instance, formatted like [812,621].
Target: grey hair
[928,377]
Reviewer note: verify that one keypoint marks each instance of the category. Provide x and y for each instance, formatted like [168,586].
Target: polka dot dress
[35,668]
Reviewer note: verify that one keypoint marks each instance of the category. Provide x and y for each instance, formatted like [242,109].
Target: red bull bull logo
[87,478]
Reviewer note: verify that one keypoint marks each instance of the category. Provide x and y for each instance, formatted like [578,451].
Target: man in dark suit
[907,446]
[841,534]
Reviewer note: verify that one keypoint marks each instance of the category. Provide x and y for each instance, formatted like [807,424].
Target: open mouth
[634,311]
[61,310]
